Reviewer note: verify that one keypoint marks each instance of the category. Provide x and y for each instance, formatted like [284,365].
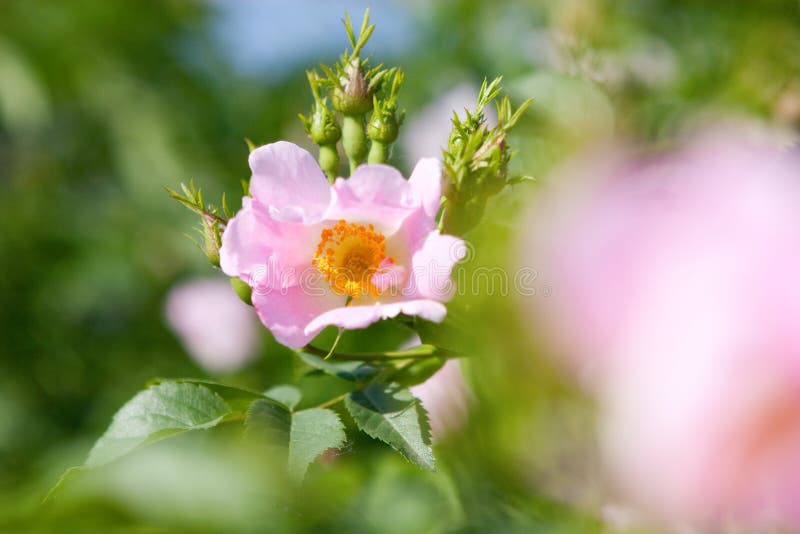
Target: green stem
[391,372]
[330,402]
[354,140]
[378,152]
[419,352]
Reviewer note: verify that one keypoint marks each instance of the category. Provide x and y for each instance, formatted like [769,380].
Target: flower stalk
[416,353]
[354,140]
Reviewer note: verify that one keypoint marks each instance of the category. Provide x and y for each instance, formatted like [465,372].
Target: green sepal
[242,290]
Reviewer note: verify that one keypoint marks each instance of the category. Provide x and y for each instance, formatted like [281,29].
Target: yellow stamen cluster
[349,254]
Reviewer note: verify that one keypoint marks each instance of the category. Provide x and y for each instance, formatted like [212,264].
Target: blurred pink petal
[446,398]
[217,329]
[676,299]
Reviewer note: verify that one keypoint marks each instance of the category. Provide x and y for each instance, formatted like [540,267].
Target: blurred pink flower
[676,295]
[350,254]
[217,329]
[446,398]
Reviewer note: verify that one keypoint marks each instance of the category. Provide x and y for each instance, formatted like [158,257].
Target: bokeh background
[102,104]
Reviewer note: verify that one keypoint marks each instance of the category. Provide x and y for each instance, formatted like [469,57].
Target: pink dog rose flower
[677,295]
[217,329]
[347,254]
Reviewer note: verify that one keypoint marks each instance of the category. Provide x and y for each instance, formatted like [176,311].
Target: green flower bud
[383,126]
[323,128]
[476,159]
[212,240]
[353,96]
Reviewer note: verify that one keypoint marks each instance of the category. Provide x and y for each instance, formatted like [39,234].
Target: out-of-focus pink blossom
[217,329]
[348,254]
[677,298]
[446,398]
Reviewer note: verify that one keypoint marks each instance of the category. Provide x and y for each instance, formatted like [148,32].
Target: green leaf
[66,477]
[285,394]
[313,432]
[392,415]
[353,371]
[270,421]
[160,411]
[165,408]
[418,371]
[305,434]
[239,399]
[520,180]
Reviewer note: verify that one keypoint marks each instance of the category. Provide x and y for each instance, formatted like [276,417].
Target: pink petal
[245,245]
[266,252]
[288,312]
[288,180]
[389,275]
[350,317]
[433,264]
[217,329]
[381,184]
[410,237]
[376,194]
[426,184]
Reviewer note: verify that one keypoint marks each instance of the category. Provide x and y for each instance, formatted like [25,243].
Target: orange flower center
[349,254]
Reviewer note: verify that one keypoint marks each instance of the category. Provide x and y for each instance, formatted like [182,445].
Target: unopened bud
[323,128]
[383,126]
[353,96]
[212,240]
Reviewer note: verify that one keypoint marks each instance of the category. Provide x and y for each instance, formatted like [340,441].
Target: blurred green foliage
[104,103]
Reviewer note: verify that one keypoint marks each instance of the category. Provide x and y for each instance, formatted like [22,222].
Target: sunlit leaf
[392,415]
[304,434]
[159,411]
[285,394]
